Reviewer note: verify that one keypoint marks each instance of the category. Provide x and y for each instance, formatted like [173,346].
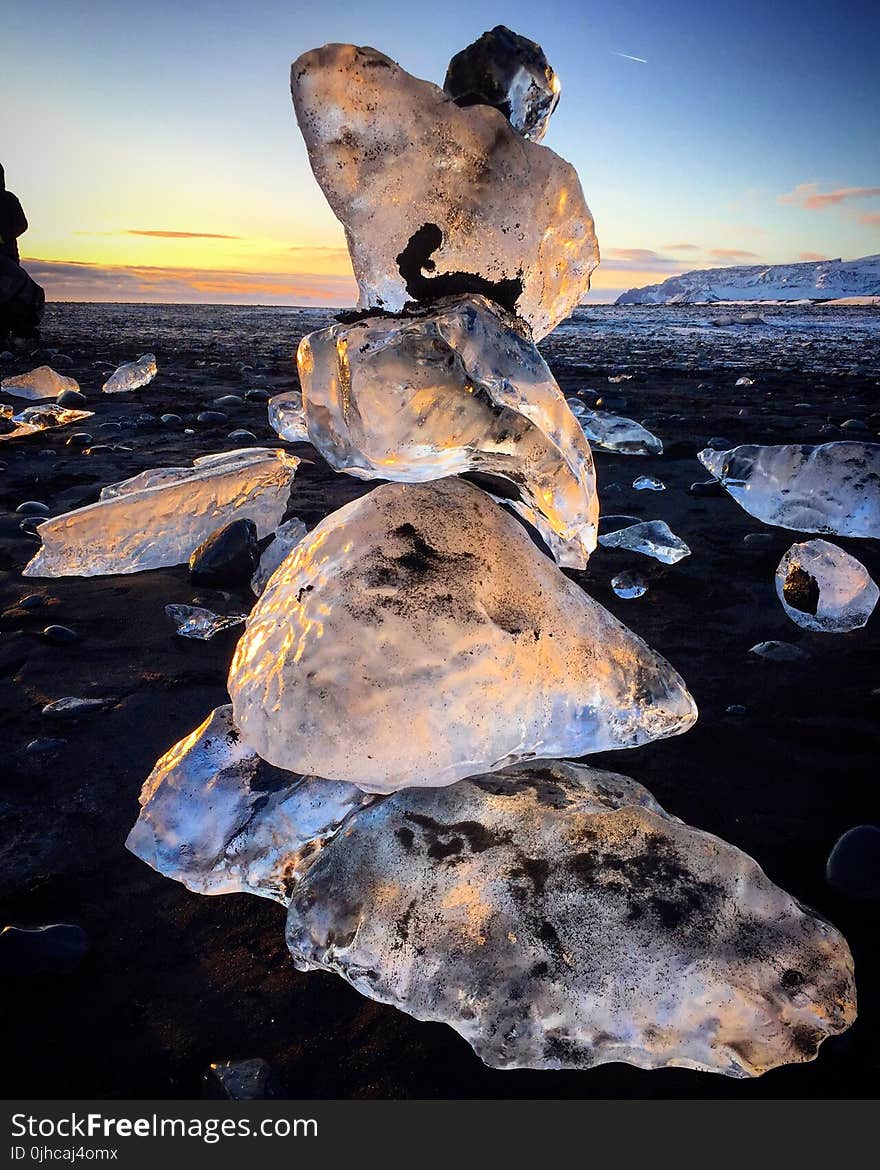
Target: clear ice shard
[832,488]
[287,416]
[159,517]
[33,419]
[43,382]
[450,390]
[217,818]
[132,375]
[557,917]
[438,200]
[191,621]
[653,538]
[629,585]
[823,588]
[649,483]
[507,71]
[612,432]
[286,537]
[424,621]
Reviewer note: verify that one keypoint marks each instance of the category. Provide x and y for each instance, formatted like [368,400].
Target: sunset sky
[155,151]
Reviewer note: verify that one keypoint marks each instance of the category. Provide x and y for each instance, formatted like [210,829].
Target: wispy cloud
[628,56]
[810,198]
[870,218]
[167,235]
[681,247]
[811,256]
[75,281]
[733,254]
[637,260]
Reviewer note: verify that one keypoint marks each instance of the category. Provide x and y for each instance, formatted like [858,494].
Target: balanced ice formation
[507,71]
[286,538]
[287,416]
[159,517]
[132,375]
[625,436]
[43,382]
[557,917]
[417,636]
[455,389]
[832,488]
[653,538]
[823,588]
[38,418]
[439,200]
[217,818]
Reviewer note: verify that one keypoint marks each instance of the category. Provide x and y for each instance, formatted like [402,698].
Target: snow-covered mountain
[815,280]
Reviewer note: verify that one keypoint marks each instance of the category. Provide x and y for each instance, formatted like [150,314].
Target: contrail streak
[628,56]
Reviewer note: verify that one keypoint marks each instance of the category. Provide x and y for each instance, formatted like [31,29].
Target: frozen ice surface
[611,432]
[507,71]
[654,538]
[629,585]
[439,200]
[649,483]
[287,416]
[423,621]
[286,538]
[832,488]
[823,588]
[557,917]
[191,621]
[132,375]
[217,818]
[33,419]
[451,390]
[159,517]
[43,382]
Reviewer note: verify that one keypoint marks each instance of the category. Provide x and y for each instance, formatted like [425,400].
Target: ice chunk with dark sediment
[439,200]
[34,419]
[833,488]
[132,375]
[823,588]
[424,621]
[511,73]
[287,416]
[653,538]
[557,917]
[43,382]
[286,538]
[217,818]
[451,390]
[192,621]
[159,517]
[612,432]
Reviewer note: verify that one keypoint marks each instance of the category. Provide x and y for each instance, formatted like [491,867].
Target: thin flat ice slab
[823,588]
[832,488]
[439,200]
[159,517]
[217,818]
[132,375]
[34,419]
[557,917]
[451,390]
[423,621]
[41,383]
[652,538]
[613,432]
[192,621]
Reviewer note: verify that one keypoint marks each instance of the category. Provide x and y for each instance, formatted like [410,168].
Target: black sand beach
[174,980]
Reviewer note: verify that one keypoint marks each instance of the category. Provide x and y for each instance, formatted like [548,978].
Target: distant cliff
[816,280]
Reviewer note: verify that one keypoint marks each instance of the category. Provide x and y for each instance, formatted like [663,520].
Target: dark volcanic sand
[174,980]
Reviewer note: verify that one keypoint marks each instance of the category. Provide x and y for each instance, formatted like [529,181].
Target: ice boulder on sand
[451,390]
[423,620]
[832,488]
[159,517]
[41,383]
[823,588]
[624,436]
[132,375]
[439,200]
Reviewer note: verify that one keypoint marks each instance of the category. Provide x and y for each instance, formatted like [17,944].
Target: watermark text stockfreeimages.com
[100,1126]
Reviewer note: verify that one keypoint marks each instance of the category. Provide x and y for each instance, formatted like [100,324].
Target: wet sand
[174,980]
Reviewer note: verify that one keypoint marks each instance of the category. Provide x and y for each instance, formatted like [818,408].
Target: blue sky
[156,152]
